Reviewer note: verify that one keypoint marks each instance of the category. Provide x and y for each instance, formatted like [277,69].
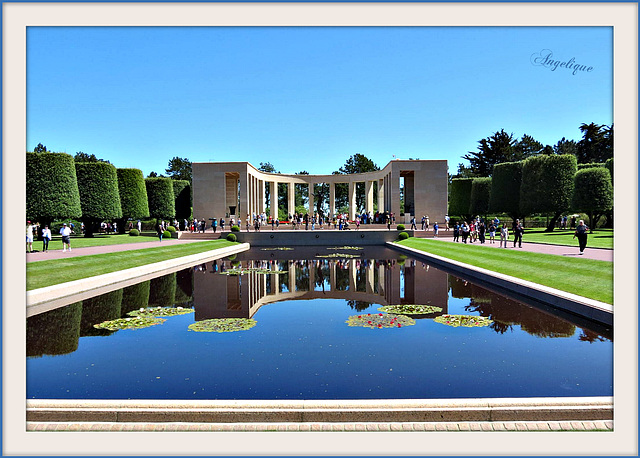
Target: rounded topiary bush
[235,229]
[134,232]
[232,237]
[166,234]
[403,236]
[400,227]
[171,229]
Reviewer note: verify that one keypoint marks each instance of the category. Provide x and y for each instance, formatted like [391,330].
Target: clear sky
[307,98]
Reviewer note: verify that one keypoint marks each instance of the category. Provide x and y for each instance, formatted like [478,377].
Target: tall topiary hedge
[547,185]
[133,195]
[609,167]
[99,196]
[55,332]
[505,189]
[161,197]
[593,193]
[182,202]
[52,188]
[460,199]
[590,165]
[480,196]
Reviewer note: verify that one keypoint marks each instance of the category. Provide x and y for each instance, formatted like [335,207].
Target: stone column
[332,275]
[273,199]
[395,194]
[310,200]
[370,278]
[381,195]
[368,193]
[292,277]
[352,200]
[312,275]
[244,195]
[261,200]
[352,275]
[291,198]
[332,200]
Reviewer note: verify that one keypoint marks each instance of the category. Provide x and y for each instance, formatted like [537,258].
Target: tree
[593,193]
[460,201]
[40,148]
[182,199]
[358,163]
[161,197]
[505,189]
[99,195]
[133,196]
[565,146]
[547,185]
[480,195]
[526,147]
[52,188]
[179,169]
[596,144]
[84,157]
[491,151]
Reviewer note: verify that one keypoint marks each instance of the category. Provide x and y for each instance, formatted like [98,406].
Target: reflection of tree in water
[358,305]
[591,337]
[302,276]
[97,309]
[342,275]
[361,275]
[55,332]
[184,290]
[135,297]
[163,291]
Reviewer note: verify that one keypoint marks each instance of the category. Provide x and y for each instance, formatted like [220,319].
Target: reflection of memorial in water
[361,282]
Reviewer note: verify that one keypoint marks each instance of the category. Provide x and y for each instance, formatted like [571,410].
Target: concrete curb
[393,410]
[578,305]
[51,297]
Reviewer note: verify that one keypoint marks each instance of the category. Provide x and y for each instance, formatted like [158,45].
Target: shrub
[171,229]
[99,195]
[232,237]
[235,229]
[166,234]
[403,236]
[134,232]
[460,199]
[505,188]
[480,195]
[593,193]
[182,198]
[133,194]
[400,227]
[590,165]
[52,187]
[161,198]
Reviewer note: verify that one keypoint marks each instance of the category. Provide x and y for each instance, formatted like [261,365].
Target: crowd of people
[476,231]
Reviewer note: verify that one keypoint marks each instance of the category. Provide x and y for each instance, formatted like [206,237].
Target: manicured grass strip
[585,277]
[56,271]
[97,240]
[601,238]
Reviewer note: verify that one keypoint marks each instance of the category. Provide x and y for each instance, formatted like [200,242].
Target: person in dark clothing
[581,233]
[456,233]
[518,230]
[481,231]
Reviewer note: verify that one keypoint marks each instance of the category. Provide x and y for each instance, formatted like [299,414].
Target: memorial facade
[232,189]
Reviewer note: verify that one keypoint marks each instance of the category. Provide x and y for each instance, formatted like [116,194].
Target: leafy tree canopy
[40,148]
[492,150]
[84,157]
[596,144]
[267,167]
[358,163]
[179,169]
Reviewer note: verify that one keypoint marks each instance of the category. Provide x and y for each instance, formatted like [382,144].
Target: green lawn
[46,273]
[602,238]
[97,240]
[585,277]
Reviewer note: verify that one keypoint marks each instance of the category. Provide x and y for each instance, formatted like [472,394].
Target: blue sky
[307,98]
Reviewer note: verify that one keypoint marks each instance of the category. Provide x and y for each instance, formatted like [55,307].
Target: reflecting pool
[301,346]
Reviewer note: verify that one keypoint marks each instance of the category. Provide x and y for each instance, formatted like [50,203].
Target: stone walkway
[606,425]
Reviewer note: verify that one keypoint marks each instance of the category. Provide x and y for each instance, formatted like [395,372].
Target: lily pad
[380,320]
[246,270]
[410,309]
[280,248]
[345,248]
[223,325]
[138,322]
[338,255]
[160,311]
[467,321]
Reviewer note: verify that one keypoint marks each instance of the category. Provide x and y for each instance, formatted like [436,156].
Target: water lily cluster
[280,248]
[246,270]
[345,248]
[380,320]
[413,309]
[137,322]
[468,321]
[223,325]
[338,255]
[160,311]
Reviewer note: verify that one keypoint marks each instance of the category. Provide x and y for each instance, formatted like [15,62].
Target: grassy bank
[585,277]
[602,238]
[55,271]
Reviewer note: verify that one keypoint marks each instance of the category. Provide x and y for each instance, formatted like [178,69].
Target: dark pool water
[301,347]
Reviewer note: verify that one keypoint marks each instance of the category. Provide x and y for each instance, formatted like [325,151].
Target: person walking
[492,233]
[456,232]
[46,238]
[65,232]
[581,233]
[481,232]
[518,230]
[465,231]
[413,223]
[30,228]
[435,230]
[504,236]
[446,222]
[159,230]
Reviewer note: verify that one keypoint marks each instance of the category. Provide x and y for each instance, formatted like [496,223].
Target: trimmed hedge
[134,232]
[163,291]
[460,199]
[182,199]
[232,237]
[403,236]
[166,234]
[480,196]
[547,183]
[55,332]
[591,165]
[400,227]
[171,229]
[52,187]
[133,194]
[593,193]
[135,297]
[161,198]
[505,188]
[235,228]
[98,309]
[98,187]
[609,166]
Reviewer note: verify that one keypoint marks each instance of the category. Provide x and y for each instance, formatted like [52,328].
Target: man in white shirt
[66,237]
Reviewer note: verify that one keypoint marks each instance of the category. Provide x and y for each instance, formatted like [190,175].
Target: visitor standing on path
[46,238]
[159,230]
[465,232]
[435,230]
[456,232]
[504,236]
[65,232]
[413,223]
[581,233]
[481,231]
[30,228]
[518,230]
[492,233]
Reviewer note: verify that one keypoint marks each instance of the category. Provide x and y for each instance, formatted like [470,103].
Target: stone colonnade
[223,189]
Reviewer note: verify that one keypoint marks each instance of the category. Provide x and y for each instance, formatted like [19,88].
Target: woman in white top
[504,236]
[46,238]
